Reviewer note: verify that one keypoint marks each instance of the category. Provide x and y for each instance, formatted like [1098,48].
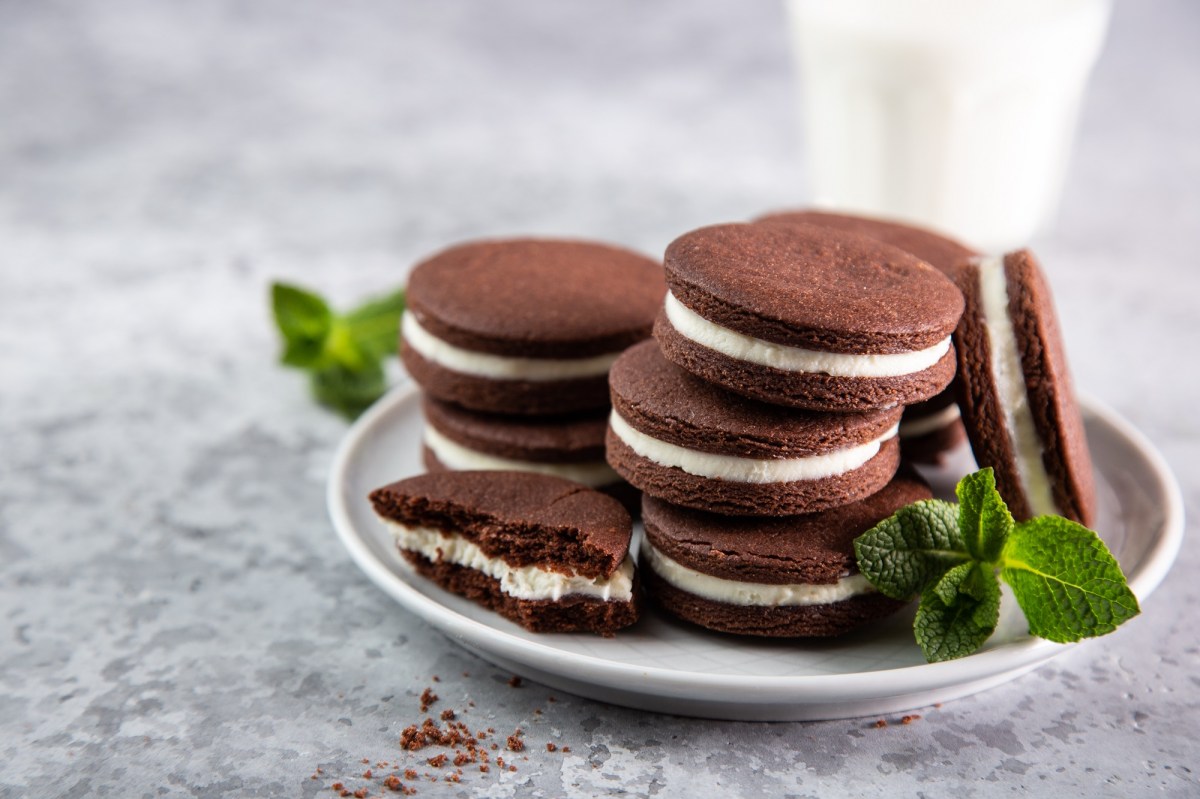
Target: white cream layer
[459,458]
[746,470]
[734,592]
[911,428]
[797,359]
[499,367]
[1010,386]
[524,582]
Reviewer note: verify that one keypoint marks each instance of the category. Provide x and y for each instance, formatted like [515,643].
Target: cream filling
[499,367]
[746,470]
[1010,387]
[797,359]
[912,428]
[522,582]
[459,458]
[734,592]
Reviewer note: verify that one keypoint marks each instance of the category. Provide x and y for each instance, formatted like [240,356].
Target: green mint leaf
[952,582]
[1066,581]
[348,391]
[375,325]
[304,320]
[912,548]
[951,629]
[983,517]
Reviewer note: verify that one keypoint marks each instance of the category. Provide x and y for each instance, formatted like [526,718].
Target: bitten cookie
[690,442]
[526,326]
[931,428]
[807,316]
[793,576]
[1016,393]
[571,447]
[546,553]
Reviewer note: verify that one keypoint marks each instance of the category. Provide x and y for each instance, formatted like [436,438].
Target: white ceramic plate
[665,665]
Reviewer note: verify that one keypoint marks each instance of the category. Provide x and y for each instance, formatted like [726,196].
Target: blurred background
[160,163]
[339,142]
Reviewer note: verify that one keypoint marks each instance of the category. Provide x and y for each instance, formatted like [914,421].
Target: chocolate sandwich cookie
[807,316]
[571,447]
[690,442]
[526,326]
[931,428]
[1015,389]
[547,553]
[792,576]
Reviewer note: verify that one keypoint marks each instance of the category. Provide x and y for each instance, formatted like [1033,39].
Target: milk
[955,115]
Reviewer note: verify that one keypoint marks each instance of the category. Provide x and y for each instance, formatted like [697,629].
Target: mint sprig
[1065,580]
[342,353]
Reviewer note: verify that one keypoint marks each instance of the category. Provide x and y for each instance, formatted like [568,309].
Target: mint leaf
[343,354]
[349,392]
[912,548]
[983,518]
[1066,581]
[375,325]
[304,320]
[952,582]
[946,630]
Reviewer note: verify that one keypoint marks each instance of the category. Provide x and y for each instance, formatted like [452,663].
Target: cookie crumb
[367,774]
[909,719]
[515,744]
[566,750]
[880,723]
[392,783]
[448,715]
[428,697]
[337,786]
[514,682]
[437,678]
[437,761]
[551,747]
[551,699]
[410,773]
[361,793]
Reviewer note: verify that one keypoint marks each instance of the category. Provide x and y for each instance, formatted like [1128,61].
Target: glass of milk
[954,114]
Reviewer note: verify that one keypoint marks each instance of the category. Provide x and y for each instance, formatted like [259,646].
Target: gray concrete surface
[176,616]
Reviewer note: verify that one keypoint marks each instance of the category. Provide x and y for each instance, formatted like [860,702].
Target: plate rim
[1010,656]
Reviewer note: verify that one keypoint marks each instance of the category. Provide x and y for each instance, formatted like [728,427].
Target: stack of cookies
[512,340]
[762,422]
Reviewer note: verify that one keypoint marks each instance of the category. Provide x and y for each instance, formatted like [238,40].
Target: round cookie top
[537,297]
[812,287]
[546,439]
[943,253]
[817,548]
[520,517]
[668,403]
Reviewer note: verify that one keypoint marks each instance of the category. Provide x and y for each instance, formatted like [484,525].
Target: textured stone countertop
[176,615]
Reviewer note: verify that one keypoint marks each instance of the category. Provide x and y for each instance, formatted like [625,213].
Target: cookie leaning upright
[808,317]
[1015,389]
[526,326]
